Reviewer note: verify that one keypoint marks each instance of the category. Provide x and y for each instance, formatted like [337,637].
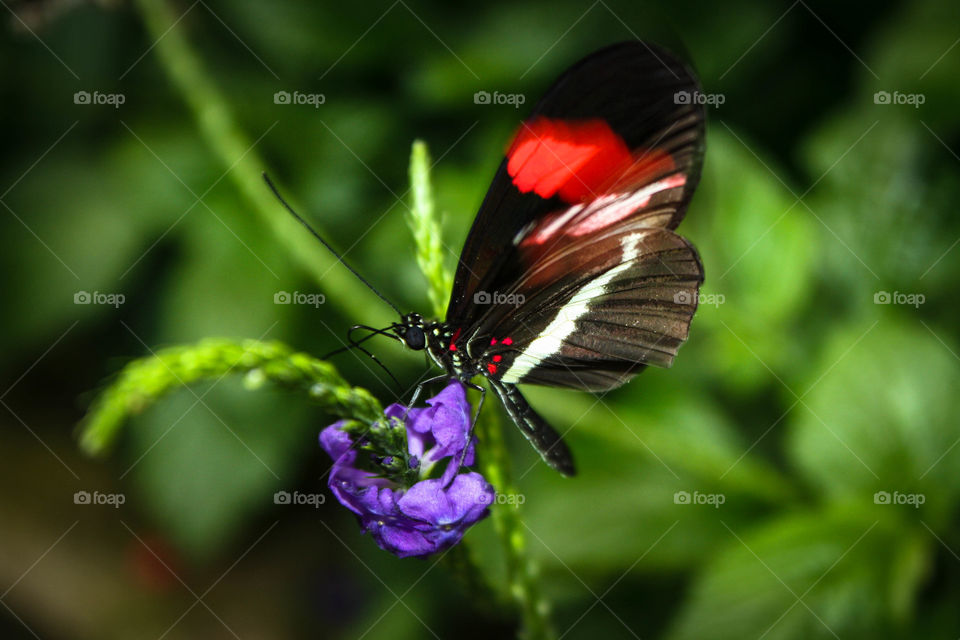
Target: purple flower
[407,500]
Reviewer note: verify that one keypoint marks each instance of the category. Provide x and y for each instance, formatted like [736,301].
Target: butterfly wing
[572,275]
[616,137]
[594,314]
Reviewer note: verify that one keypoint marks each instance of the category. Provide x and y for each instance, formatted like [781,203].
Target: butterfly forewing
[571,275]
[621,104]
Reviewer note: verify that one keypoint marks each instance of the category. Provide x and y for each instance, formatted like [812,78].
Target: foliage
[799,399]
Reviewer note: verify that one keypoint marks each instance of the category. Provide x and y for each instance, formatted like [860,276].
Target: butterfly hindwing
[595,326]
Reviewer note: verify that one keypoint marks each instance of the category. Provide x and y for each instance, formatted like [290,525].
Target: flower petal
[417,443]
[463,502]
[432,514]
[335,441]
[403,542]
[448,419]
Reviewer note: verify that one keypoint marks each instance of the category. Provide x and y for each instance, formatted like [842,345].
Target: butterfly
[572,274]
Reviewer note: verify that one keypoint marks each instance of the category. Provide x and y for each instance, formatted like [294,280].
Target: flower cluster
[404,496]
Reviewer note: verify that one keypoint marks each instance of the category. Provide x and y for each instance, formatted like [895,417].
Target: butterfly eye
[413,337]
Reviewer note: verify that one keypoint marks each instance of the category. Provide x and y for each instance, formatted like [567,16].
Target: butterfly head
[411,331]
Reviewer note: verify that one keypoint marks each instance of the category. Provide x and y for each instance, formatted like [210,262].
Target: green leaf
[885,202]
[913,52]
[203,467]
[882,418]
[841,573]
[758,249]
[226,279]
[631,460]
[104,225]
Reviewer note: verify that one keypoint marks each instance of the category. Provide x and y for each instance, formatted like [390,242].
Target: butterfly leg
[476,416]
[483,395]
[419,389]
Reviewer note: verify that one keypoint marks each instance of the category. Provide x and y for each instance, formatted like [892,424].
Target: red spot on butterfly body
[456,334]
[492,368]
[573,159]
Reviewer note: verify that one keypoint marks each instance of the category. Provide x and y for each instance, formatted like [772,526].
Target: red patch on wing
[573,159]
[492,368]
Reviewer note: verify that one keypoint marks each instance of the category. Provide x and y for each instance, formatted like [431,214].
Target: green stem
[427,234]
[238,156]
[523,575]
[144,381]
[460,562]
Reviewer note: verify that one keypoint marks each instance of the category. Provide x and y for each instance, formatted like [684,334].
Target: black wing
[625,302]
[580,282]
[644,94]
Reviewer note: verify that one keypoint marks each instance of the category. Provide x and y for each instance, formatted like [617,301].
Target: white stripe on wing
[564,324]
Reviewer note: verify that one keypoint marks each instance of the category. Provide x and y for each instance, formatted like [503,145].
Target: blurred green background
[798,397]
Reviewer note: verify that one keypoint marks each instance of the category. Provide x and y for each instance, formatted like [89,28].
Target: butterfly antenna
[382,366]
[355,344]
[327,244]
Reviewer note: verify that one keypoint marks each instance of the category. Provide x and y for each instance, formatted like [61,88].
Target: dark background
[797,398]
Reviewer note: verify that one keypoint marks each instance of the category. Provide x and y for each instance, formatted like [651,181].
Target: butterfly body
[464,357]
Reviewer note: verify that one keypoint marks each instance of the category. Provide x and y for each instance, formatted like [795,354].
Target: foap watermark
[495,297]
[97,297]
[512,499]
[712,499]
[513,99]
[698,97]
[912,499]
[713,299]
[912,299]
[296,498]
[912,99]
[296,97]
[96,97]
[312,299]
[111,499]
